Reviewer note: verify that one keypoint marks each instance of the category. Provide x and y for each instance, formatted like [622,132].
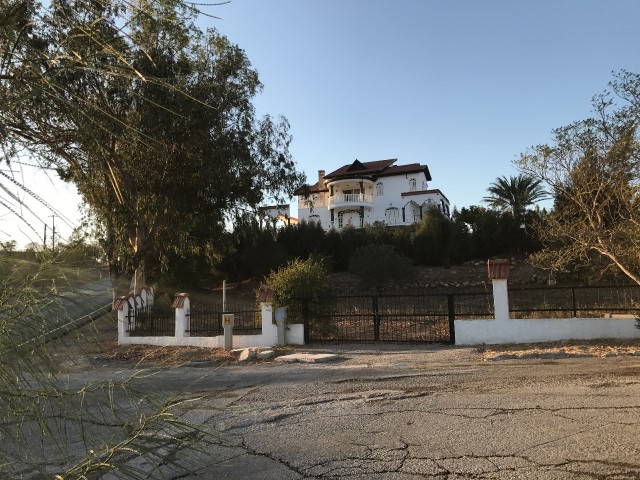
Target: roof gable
[362,168]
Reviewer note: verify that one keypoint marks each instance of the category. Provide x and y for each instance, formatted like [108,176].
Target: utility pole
[44,247]
[53,233]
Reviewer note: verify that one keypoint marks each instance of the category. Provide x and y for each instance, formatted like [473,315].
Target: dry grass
[157,356]
[593,348]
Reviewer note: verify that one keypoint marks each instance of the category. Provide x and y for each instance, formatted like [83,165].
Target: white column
[182,320]
[267,319]
[500,299]
[122,306]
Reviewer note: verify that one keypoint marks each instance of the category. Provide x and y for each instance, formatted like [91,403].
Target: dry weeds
[594,348]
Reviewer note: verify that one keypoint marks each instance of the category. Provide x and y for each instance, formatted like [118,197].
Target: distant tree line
[471,233]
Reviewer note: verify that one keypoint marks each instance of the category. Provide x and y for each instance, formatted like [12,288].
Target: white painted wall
[494,331]
[294,334]
[502,329]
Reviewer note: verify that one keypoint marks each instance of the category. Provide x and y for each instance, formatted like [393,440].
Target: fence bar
[305,319]
[376,319]
[451,306]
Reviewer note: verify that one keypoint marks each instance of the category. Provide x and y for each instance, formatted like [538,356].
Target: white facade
[366,192]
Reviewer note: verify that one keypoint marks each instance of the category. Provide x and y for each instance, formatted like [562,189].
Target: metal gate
[394,318]
[205,320]
[154,321]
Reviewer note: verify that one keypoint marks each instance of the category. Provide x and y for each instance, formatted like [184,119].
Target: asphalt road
[407,412]
[73,306]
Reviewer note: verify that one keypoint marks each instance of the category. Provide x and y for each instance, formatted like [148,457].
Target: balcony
[350,199]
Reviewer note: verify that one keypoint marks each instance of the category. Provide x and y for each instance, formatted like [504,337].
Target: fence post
[376,319]
[119,306]
[451,306]
[305,319]
[266,310]
[500,299]
[181,303]
[573,297]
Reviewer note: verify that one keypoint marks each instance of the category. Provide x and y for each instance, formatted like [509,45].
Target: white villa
[362,193]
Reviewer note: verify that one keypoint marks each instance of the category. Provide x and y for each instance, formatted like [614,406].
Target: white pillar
[281,318]
[267,320]
[121,305]
[500,299]
[181,303]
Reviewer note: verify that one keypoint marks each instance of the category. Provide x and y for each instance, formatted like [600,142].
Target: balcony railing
[350,198]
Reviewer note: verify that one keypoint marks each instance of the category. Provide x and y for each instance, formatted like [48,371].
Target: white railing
[356,198]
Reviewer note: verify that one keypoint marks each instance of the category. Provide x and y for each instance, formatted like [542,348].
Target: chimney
[320,179]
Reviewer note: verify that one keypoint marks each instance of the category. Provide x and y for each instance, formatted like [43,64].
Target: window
[412,184]
[392,215]
[348,217]
[379,189]
[314,219]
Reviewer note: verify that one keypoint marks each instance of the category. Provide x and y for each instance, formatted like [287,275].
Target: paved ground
[402,412]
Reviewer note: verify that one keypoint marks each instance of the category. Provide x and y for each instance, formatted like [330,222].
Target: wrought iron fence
[395,318]
[559,302]
[205,319]
[155,321]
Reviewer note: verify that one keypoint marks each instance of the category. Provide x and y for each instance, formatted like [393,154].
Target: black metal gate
[154,321]
[205,319]
[394,318]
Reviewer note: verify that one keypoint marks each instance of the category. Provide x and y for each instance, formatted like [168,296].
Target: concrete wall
[503,329]
[294,334]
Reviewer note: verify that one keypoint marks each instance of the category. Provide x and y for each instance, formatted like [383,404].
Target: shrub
[302,286]
[377,265]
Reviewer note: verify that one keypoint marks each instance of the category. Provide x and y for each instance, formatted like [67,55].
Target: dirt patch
[595,348]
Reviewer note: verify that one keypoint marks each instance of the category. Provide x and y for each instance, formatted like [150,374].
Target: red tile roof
[358,168]
[423,192]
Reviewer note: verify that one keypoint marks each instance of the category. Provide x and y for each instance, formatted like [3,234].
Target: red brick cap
[178,300]
[498,268]
[266,294]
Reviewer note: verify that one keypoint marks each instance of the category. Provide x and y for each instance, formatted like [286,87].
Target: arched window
[412,184]
[392,215]
[379,189]
[349,217]
[314,219]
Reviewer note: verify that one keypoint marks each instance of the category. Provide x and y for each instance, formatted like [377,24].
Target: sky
[459,85]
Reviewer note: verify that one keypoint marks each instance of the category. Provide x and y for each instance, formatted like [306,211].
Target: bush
[376,265]
[302,286]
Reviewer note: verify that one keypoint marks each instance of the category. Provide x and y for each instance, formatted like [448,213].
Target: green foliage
[54,427]
[593,170]
[302,286]
[302,240]
[342,245]
[431,239]
[9,245]
[254,251]
[378,265]
[151,118]
[515,194]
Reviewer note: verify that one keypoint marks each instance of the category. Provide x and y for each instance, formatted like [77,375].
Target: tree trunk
[138,244]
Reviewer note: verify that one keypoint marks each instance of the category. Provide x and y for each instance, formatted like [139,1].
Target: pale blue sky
[463,86]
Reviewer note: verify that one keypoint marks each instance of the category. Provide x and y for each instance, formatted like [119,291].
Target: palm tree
[515,194]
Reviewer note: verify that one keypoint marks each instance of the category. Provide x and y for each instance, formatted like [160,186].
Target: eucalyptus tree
[152,120]
[150,117]
[593,169]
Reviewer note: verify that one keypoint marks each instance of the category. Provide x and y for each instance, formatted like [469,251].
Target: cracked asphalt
[409,412]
